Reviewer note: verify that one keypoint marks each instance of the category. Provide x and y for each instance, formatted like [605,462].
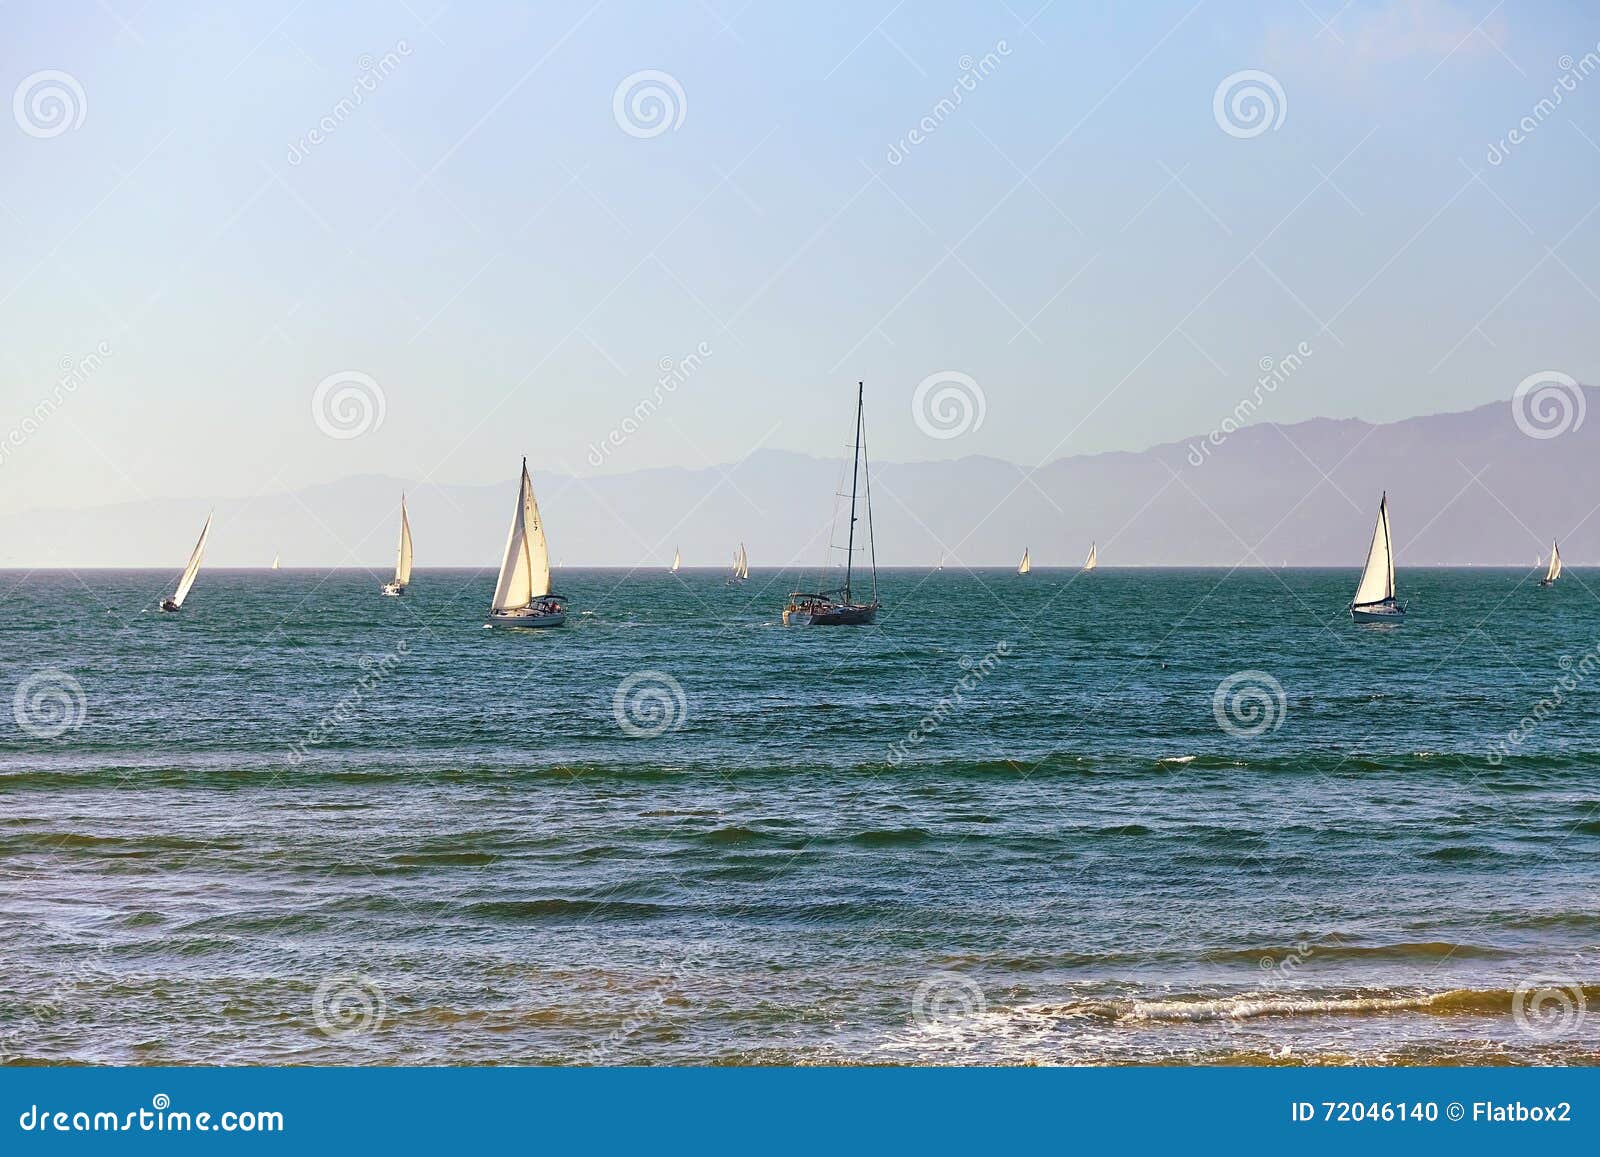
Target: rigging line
[872,540]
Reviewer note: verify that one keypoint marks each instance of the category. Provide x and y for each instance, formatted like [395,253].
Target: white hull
[1379,613]
[534,616]
[393,590]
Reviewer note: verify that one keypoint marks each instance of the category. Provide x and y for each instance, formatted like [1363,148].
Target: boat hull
[1547,582]
[836,615]
[1379,613]
[392,590]
[169,606]
[545,613]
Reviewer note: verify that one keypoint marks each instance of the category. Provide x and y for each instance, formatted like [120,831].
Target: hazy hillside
[1302,494]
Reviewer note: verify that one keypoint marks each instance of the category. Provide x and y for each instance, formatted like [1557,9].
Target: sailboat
[1094,558]
[1554,572]
[837,607]
[741,566]
[522,596]
[1374,598]
[677,560]
[1026,565]
[175,602]
[402,562]
[275,561]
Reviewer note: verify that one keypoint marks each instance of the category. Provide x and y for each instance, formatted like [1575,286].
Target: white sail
[1094,558]
[1555,565]
[741,563]
[275,562]
[525,571]
[1377,579]
[1025,565]
[402,566]
[677,560]
[193,569]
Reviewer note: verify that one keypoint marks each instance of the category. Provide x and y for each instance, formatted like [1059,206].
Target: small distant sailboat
[677,560]
[1094,558]
[1026,565]
[190,571]
[838,608]
[275,561]
[1554,572]
[1374,598]
[402,562]
[741,566]
[522,596]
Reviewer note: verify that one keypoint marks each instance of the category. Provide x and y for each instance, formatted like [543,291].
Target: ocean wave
[1248,1006]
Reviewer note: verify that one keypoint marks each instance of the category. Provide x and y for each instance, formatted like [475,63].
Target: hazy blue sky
[483,238]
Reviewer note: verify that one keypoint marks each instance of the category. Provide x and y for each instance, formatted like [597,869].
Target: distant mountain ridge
[1466,487]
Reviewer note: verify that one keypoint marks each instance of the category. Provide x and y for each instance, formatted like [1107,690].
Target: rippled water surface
[1011,823]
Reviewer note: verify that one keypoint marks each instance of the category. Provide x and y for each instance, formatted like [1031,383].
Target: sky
[271,244]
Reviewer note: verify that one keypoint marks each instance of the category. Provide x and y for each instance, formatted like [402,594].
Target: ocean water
[1013,823]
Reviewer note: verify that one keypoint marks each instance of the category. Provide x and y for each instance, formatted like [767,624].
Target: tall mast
[855,470]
